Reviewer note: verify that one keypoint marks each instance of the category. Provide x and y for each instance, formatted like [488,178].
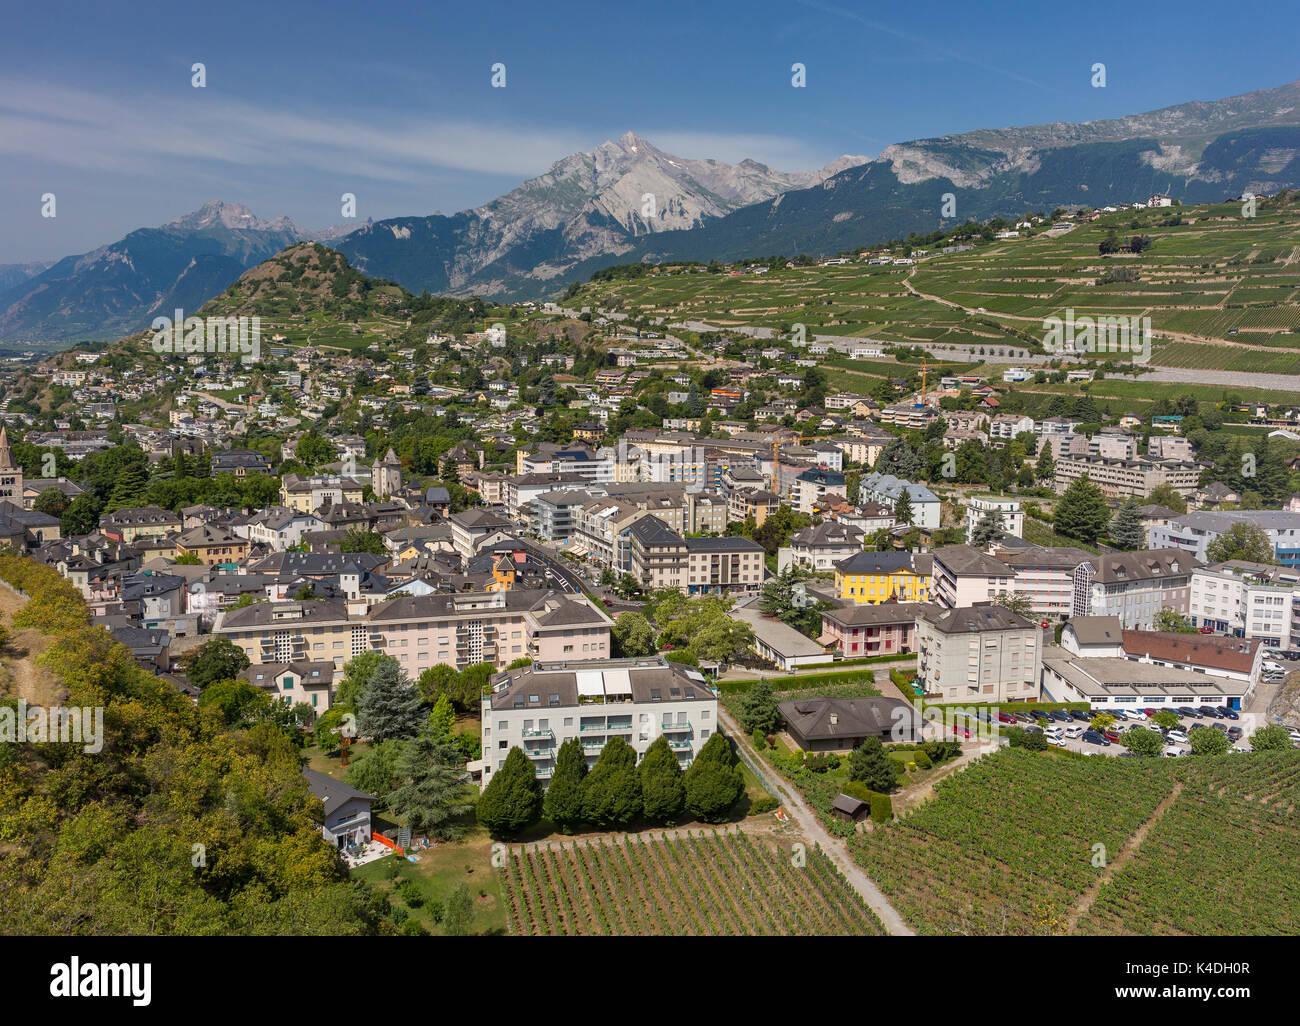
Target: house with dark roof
[347,810]
[841,724]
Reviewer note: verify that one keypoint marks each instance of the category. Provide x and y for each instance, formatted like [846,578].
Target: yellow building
[308,494]
[869,578]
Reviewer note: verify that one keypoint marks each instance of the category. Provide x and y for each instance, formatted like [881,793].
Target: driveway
[835,849]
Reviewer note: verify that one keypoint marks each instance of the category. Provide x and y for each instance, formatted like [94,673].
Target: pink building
[860,631]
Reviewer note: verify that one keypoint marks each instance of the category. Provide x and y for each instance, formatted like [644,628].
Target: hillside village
[577,530]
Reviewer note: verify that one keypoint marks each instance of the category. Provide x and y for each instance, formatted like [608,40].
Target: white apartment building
[963,576]
[1046,577]
[1128,478]
[538,708]
[1246,600]
[885,489]
[1012,516]
[1194,531]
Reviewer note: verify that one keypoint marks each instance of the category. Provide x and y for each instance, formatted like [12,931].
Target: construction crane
[926,365]
[776,455]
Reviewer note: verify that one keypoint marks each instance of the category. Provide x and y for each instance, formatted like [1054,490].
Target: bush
[764,804]
[412,928]
[882,808]
[759,739]
[817,763]
[922,760]
[399,915]
[411,893]
[857,789]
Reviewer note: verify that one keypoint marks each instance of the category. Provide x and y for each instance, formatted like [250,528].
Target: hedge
[882,808]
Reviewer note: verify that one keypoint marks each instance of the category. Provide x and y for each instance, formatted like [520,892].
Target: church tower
[11,475]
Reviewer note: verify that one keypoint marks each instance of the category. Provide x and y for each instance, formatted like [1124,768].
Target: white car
[1056,739]
[1073,732]
[1172,752]
[1177,736]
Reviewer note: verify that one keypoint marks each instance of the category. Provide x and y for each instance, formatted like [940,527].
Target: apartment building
[1046,577]
[657,554]
[886,629]
[1169,447]
[303,681]
[983,653]
[1135,586]
[1128,478]
[308,494]
[1194,531]
[821,546]
[1004,427]
[963,576]
[126,525]
[885,489]
[212,544]
[538,708]
[553,512]
[817,483]
[422,631]
[869,578]
[547,458]
[471,527]
[1247,600]
[724,566]
[1007,509]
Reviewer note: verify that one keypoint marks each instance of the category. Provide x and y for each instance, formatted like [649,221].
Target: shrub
[922,760]
[410,892]
[764,804]
[857,789]
[882,808]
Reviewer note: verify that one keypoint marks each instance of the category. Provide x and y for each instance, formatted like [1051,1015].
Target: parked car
[1204,630]
[1081,716]
[1188,711]
[1112,736]
[1226,713]
[1073,732]
[1060,716]
[1151,712]
[1172,752]
[1095,738]
[1039,715]
[961,731]
[1006,718]
[1208,711]
[1176,736]
[1024,717]
[1234,733]
[1054,731]
[1216,725]
[1056,739]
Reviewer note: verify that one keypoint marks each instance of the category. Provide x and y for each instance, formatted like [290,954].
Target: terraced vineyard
[1008,847]
[709,884]
[1215,276]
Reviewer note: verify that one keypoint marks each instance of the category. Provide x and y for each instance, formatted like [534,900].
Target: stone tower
[386,476]
[11,474]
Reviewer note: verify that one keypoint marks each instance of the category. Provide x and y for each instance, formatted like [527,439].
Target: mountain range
[627,200]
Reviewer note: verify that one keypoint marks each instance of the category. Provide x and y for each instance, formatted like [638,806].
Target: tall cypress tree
[563,804]
[1082,512]
[1126,530]
[663,792]
[611,794]
[713,781]
[512,799]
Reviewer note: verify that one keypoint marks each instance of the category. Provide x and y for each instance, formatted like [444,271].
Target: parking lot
[1071,732]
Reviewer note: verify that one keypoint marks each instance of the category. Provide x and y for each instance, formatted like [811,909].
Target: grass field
[1044,843]
[705,884]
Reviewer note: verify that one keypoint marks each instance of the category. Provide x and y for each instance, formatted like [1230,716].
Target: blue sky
[393,101]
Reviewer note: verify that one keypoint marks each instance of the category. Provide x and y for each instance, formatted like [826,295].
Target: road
[835,849]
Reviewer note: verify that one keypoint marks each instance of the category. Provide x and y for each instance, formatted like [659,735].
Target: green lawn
[437,873]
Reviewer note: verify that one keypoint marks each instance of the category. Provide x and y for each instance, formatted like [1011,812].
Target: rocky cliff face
[587,205]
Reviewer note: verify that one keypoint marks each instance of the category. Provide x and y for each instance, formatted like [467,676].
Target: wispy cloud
[75,128]
[930,51]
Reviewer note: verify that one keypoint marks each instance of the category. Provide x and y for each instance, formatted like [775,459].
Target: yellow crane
[926,365]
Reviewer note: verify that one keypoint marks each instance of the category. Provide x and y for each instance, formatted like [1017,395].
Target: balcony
[680,746]
[540,732]
[592,728]
[674,728]
[538,753]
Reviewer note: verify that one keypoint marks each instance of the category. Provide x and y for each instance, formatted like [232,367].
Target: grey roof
[983,616]
[963,559]
[854,717]
[651,530]
[649,679]
[1058,558]
[333,793]
[875,563]
[879,614]
[828,532]
[1097,630]
[725,544]
[1152,564]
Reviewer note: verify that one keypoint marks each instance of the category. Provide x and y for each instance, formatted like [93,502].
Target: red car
[1006,718]
[961,731]
[1204,630]
[1111,736]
